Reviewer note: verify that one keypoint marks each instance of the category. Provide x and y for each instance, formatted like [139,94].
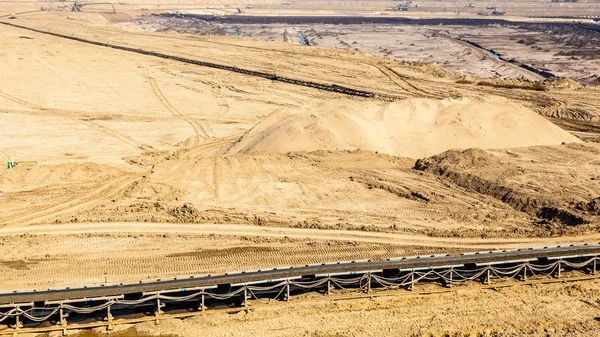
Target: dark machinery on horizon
[495,11]
[402,7]
[77,6]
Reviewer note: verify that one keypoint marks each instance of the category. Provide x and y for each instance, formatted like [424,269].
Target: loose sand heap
[414,128]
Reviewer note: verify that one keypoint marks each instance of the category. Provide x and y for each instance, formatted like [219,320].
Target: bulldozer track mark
[205,261]
[380,238]
[270,76]
[98,195]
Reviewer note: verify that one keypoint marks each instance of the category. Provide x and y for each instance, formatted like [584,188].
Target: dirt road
[292,233]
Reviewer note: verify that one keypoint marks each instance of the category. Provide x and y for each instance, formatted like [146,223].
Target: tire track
[222,105]
[19,101]
[208,146]
[217,177]
[294,233]
[198,128]
[404,84]
[115,134]
[97,196]
[556,110]
[122,137]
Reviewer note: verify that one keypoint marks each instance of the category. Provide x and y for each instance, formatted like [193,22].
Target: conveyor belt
[320,86]
[434,261]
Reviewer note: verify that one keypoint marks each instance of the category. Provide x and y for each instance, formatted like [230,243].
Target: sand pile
[31,175]
[414,128]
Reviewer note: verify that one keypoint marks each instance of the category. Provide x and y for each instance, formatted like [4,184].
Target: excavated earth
[143,167]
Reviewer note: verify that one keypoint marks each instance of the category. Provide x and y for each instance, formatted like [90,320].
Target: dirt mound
[470,159]
[118,17]
[563,83]
[31,175]
[414,128]
[500,177]
[431,69]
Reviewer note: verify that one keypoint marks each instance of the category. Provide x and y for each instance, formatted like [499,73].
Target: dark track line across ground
[320,86]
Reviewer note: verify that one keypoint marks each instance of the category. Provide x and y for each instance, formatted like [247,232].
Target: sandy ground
[43,256]
[549,310]
[141,167]
[541,310]
[155,141]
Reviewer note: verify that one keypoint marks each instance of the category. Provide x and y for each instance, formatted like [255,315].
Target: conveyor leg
[287,290]
[328,287]
[202,306]
[109,319]
[487,277]
[412,281]
[18,323]
[368,283]
[158,311]
[245,304]
[558,270]
[594,267]
[449,282]
[525,273]
[63,321]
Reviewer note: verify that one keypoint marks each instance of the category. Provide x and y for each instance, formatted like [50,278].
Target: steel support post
[245,304]
[558,270]
[159,307]
[487,276]
[18,323]
[412,281]
[594,267]
[109,318]
[287,291]
[328,287]
[63,320]
[202,306]
[368,283]
[525,273]
[158,311]
[449,283]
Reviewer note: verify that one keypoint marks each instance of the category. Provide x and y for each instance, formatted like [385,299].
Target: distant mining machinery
[402,7]
[495,11]
[77,6]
